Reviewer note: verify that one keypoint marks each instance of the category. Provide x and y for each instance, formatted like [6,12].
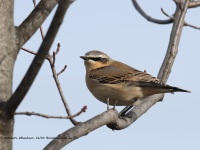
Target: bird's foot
[108,103]
[128,107]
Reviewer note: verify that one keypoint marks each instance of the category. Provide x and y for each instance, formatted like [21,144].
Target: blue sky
[116,28]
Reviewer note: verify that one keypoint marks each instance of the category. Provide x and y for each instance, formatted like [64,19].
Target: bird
[108,79]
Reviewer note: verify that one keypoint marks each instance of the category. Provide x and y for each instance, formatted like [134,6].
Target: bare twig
[35,66]
[34,3]
[41,29]
[55,76]
[78,113]
[50,116]
[192,26]
[185,24]
[149,18]
[58,48]
[167,14]
[62,70]
[29,51]
[41,115]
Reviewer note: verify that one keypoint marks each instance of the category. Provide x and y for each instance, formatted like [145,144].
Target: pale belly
[118,94]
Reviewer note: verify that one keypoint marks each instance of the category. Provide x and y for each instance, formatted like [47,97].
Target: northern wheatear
[110,79]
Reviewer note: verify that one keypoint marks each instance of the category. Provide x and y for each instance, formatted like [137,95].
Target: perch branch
[82,129]
[163,74]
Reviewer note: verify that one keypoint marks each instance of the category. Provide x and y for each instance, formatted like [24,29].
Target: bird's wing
[114,75]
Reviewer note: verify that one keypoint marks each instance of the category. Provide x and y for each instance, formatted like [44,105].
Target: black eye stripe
[96,58]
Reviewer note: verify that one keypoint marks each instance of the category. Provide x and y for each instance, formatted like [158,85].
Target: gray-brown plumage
[116,81]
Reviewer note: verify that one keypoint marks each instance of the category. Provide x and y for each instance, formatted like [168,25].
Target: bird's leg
[115,104]
[108,103]
[128,107]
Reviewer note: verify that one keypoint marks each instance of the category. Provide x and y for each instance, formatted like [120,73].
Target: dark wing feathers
[113,75]
[109,75]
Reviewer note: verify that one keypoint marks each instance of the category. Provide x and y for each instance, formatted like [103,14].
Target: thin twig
[55,76]
[149,18]
[50,116]
[29,51]
[62,70]
[34,3]
[185,24]
[192,26]
[58,48]
[41,29]
[167,14]
[78,113]
[41,115]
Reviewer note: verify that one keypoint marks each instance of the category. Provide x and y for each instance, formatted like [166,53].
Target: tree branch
[50,116]
[41,30]
[149,18]
[175,36]
[30,25]
[194,4]
[81,129]
[185,24]
[192,26]
[110,117]
[35,66]
[164,72]
[55,76]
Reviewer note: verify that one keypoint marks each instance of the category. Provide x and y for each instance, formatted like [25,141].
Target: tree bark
[7,60]
[11,40]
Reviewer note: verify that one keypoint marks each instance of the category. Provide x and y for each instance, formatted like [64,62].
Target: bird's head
[96,59]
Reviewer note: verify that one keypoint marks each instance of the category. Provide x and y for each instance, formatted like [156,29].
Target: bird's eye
[97,59]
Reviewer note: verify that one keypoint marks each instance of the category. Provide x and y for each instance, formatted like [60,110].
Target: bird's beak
[84,57]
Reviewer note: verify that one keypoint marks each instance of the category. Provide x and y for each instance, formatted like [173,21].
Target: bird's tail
[150,88]
[176,89]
